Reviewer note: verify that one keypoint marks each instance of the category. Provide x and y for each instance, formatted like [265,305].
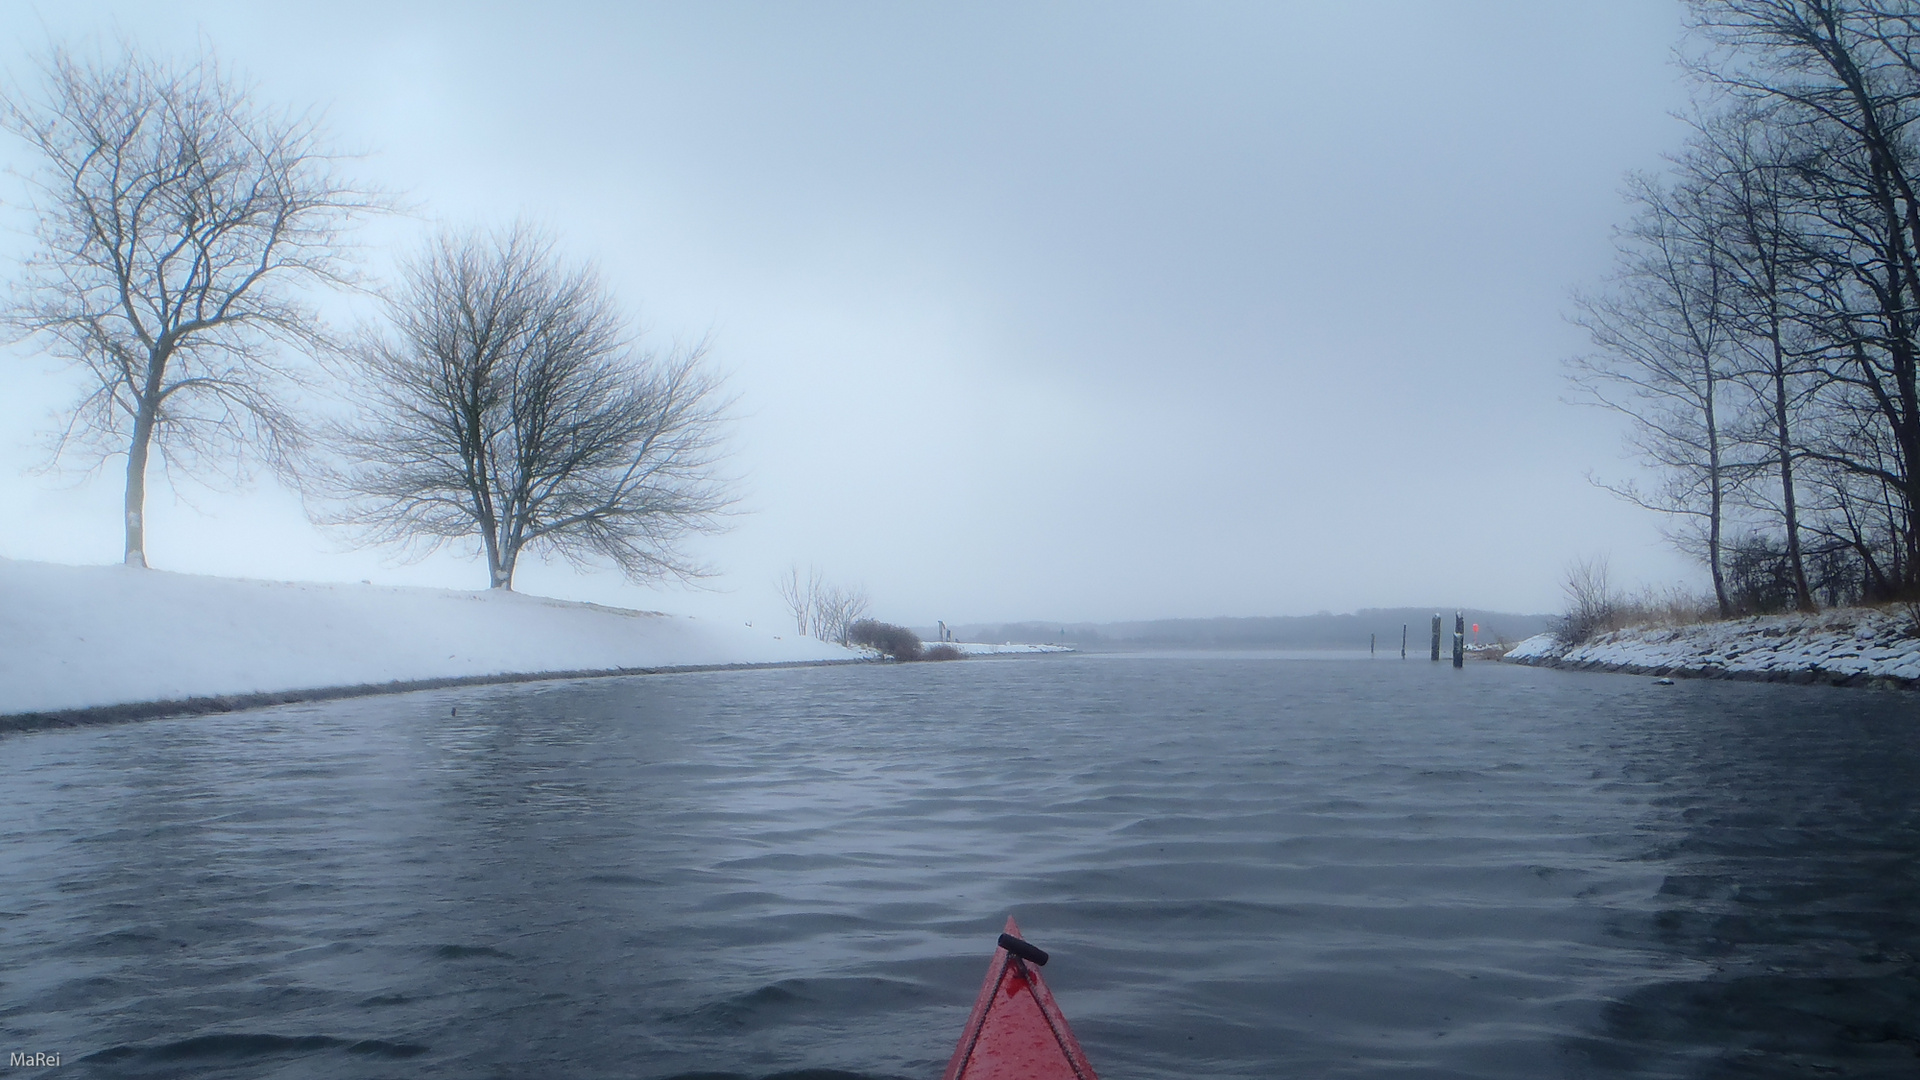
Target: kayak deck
[1016,1032]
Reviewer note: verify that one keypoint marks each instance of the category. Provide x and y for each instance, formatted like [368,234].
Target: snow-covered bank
[1843,647]
[85,637]
[983,648]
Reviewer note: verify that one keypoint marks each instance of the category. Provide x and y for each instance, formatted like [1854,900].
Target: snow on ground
[1537,647]
[74,637]
[982,648]
[1845,645]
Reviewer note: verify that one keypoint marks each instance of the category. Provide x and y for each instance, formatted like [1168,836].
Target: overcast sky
[1042,311]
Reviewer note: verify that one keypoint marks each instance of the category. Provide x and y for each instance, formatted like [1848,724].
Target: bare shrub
[1590,601]
[1593,607]
[943,652]
[819,607]
[889,640]
[835,611]
[1838,575]
[797,596]
[1760,575]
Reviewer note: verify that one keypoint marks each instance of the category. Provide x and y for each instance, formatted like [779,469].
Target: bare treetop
[507,406]
[178,220]
[819,607]
[1763,335]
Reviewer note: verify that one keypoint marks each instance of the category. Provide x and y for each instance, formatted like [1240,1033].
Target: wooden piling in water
[1436,637]
[1403,641]
[1459,639]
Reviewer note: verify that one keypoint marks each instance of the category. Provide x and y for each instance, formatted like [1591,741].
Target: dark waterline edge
[19,723]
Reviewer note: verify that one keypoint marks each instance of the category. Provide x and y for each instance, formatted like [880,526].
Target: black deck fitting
[1031,954]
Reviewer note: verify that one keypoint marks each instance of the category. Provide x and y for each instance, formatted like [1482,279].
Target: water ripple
[1246,867]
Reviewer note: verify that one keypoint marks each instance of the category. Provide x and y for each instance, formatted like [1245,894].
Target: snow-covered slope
[1853,646]
[75,637]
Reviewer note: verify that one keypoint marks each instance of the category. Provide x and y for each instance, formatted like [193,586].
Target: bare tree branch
[178,219]
[1663,356]
[504,405]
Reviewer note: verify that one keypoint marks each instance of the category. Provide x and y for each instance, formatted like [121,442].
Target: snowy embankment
[1842,647]
[982,648]
[119,641]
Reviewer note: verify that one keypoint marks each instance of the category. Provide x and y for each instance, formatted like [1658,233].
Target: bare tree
[1661,333]
[819,607]
[797,596]
[506,405]
[177,218]
[1843,76]
[835,610]
[1746,168]
[1801,188]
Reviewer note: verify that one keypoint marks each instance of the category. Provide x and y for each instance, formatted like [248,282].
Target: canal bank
[85,644]
[1869,647]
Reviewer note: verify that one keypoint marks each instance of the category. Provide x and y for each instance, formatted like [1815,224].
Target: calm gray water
[1244,866]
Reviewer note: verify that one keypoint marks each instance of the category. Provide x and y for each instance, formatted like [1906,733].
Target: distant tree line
[1762,330]
[1321,631]
[500,403]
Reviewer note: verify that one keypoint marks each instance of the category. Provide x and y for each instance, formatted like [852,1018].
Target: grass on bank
[1595,608]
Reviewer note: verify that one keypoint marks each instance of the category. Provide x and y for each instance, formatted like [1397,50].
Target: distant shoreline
[1353,630]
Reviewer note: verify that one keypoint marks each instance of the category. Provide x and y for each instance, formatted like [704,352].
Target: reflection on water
[1791,886]
[1245,866]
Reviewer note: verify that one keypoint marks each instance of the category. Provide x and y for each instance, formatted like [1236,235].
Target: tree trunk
[1874,585]
[1909,443]
[1713,555]
[503,553]
[136,501]
[1716,496]
[1789,512]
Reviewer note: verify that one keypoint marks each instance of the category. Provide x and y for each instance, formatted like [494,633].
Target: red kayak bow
[1016,1032]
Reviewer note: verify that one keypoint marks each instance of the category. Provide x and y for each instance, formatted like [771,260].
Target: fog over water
[1081,312]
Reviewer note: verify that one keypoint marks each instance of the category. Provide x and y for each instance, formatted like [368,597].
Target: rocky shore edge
[1872,647]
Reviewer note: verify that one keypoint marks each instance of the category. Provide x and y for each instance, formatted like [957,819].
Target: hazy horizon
[1104,313]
